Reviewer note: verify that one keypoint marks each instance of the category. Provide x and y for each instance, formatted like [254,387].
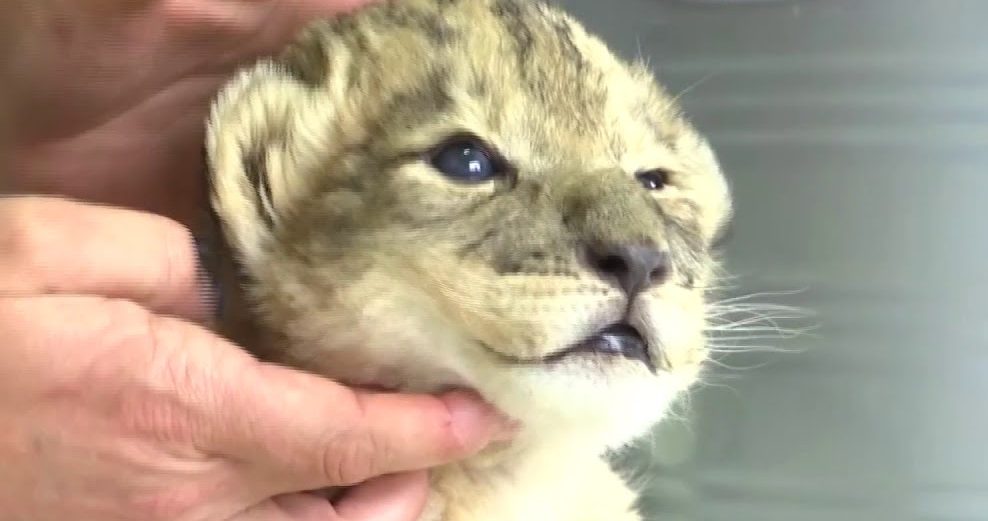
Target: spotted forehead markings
[428,22]
[512,18]
[564,36]
[557,75]
[577,110]
[661,126]
[416,105]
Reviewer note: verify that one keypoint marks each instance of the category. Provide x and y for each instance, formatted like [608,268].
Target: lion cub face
[430,194]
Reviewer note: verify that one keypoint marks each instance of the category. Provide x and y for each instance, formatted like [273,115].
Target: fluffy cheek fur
[355,288]
[371,330]
[608,402]
[382,329]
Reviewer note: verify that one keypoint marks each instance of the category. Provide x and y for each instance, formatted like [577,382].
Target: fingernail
[477,423]
[209,286]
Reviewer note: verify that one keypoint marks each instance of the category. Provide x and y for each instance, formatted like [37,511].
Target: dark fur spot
[476,244]
[353,75]
[645,112]
[660,128]
[414,107]
[209,183]
[479,88]
[508,267]
[360,42]
[510,262]
[510,13]
[557,77]
[687,249]
[431,98]
[564,35]
[438,31]
[306,59]
[206,170]
[428,23]
[530,190]
[456,217]
[256,173]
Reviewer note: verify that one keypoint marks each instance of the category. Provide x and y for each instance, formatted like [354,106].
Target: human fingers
[290,507]
[394,497]
[397,497]
[318,433]
[58,246]
[244,29]
[292,430]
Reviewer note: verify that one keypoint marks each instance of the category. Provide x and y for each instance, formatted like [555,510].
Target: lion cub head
[472,193]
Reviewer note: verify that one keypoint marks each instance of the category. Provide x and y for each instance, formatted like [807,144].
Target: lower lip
[611,342]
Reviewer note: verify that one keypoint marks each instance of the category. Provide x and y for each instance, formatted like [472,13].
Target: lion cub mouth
[619,339]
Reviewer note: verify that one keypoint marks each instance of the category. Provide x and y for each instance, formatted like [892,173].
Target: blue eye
[653,179]
[466,160]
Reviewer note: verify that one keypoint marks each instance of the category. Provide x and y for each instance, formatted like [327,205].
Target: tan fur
[361,262]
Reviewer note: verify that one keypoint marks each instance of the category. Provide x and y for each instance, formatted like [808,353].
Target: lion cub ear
[268,129]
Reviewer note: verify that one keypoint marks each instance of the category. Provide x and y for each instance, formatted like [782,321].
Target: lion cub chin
[429,194]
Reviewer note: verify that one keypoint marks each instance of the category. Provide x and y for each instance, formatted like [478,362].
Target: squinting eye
[466,160]
[653,179]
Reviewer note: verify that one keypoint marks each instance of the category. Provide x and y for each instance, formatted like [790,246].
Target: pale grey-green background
[855,133]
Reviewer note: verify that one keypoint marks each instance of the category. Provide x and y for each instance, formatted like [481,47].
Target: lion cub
[474,193]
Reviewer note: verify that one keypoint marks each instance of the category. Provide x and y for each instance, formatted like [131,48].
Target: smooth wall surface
[855,133]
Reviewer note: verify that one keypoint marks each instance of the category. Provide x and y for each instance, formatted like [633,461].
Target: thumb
[398,497]
[292,507]
[304,432]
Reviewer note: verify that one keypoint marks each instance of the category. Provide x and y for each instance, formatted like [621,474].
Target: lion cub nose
[634,267]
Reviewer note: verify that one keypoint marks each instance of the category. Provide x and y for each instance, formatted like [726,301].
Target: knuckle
[177,243]
[27,233]
[353,459]
[173,365]
[165,394]
[136,368]
[126,314]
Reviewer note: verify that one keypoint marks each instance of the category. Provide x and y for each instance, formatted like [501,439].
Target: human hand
[107,99]
[116,405]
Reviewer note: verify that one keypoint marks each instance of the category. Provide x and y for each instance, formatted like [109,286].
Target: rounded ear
[268,129]
[245,145]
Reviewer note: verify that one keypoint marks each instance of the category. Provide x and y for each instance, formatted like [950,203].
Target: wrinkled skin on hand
[105,99]
[117,403]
